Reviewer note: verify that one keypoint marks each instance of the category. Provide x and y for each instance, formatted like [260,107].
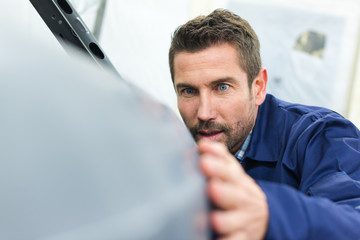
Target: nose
[205,109]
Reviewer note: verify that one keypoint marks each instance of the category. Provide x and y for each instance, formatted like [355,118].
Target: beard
[235,134]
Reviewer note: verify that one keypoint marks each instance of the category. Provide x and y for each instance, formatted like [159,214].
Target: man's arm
[325,205]
[281,213]
[294,215]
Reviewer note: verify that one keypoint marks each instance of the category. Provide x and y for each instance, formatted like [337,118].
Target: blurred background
[310,47]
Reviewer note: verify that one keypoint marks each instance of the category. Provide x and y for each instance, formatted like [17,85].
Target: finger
[232,231]
[250,217]
[215,167]
[214,148]
[224,194]
[235,236]
[227,222]
[218,150]
[210,166]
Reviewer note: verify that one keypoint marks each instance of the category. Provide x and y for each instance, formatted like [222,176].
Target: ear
[259,86]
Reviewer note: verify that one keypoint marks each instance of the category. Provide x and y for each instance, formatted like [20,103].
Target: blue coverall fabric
[307,161]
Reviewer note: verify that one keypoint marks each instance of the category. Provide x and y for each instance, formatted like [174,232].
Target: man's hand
[242,210]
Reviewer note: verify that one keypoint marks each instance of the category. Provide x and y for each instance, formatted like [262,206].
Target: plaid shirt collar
[240,154]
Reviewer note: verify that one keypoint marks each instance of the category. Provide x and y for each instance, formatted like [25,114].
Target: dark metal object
[70,30]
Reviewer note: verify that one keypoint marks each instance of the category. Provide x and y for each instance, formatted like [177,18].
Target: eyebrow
[183,85]
[222,80]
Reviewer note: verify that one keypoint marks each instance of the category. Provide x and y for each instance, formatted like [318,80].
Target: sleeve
[326,159]
[294,215]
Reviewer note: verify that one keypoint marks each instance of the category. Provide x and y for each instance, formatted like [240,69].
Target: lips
[212,135]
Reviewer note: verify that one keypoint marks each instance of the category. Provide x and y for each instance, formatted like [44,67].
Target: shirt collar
[240,154]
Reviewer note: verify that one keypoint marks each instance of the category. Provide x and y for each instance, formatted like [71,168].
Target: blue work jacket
[307,161]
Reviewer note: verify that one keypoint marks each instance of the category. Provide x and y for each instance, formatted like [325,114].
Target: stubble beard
[239,134]
[235,135]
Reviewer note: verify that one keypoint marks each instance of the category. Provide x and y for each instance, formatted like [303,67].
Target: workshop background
[310,47]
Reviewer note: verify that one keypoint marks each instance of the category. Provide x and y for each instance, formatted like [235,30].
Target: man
[275,170]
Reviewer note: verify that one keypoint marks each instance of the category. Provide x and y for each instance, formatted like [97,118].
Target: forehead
[219,61]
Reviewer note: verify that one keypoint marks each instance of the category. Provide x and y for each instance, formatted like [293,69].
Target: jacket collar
[264,143]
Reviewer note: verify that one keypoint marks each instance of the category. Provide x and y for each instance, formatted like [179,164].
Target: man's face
[214,98]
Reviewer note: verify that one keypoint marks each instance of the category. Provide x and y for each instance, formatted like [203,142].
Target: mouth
[212,135]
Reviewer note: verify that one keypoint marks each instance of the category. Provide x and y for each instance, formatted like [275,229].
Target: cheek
[238,111]
[187,111]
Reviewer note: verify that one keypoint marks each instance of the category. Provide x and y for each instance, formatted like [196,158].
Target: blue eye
[223,87]
[189,91]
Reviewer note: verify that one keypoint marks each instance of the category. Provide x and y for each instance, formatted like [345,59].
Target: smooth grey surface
[84,155]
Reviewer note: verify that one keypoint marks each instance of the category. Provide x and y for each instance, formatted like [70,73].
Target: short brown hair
[220,26]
